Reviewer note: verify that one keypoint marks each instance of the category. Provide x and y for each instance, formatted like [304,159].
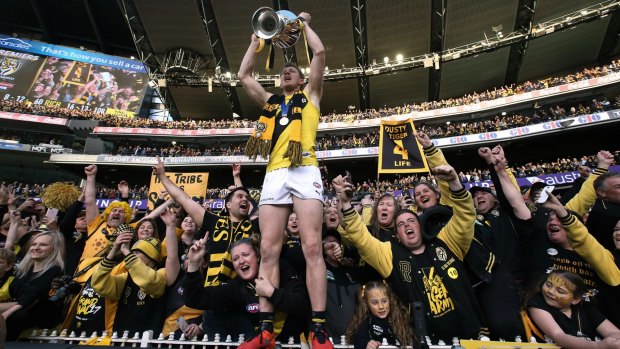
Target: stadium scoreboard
[37,73]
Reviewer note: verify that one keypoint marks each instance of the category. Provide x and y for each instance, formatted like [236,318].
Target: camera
[65,284]
[349,179]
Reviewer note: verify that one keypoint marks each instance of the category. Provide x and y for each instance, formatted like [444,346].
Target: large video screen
[59,76]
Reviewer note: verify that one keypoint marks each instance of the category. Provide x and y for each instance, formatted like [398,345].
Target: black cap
[433,220]
[489,190]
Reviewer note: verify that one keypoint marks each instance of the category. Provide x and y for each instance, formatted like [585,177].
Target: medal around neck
[284,121]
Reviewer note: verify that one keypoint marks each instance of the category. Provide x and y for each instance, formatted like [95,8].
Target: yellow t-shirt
[95,241]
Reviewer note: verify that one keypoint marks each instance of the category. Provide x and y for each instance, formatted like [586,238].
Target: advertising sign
[37,73]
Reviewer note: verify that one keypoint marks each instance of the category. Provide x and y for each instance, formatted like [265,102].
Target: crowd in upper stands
[351,116]
[528,117]
[28,137]
[330,141]
[371,139]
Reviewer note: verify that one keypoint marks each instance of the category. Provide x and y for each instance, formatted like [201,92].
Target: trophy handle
[265,23]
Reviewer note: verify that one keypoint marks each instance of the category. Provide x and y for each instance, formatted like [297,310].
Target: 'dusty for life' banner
[399,150]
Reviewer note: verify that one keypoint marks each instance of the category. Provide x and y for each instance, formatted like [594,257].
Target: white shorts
[280,185]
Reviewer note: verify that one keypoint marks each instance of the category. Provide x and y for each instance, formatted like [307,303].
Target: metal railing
[147,340]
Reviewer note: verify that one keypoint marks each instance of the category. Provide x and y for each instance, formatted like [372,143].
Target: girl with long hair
[291,251]
[379,315]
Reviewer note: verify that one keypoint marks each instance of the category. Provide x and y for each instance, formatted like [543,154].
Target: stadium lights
[498,31]
[428,60]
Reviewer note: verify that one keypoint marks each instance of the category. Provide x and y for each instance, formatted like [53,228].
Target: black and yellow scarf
[260,142]
[223,235]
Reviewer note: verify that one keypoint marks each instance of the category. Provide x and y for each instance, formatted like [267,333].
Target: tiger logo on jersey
[9,66]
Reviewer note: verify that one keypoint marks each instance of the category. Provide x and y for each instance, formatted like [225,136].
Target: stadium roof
[381,29]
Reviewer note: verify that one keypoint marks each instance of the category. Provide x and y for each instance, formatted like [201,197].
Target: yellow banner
[193,183]
[121,113]
[399,150]
[471,344]
[78,74]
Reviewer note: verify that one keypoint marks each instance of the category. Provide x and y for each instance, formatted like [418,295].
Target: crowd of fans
[524,118]
[363,184]
[530,169]
[35,190]
[371,139]
[28,137]
[351,116]
[176,150]
[494,262]
[117,256]
[333,142]
[328,142]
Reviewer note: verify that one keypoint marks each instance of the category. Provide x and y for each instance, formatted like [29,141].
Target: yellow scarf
[260,142]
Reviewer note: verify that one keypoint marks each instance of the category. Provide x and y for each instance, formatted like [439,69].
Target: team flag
[193,183]
[399,150]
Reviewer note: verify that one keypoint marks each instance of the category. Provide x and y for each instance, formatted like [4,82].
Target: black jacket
[290,298]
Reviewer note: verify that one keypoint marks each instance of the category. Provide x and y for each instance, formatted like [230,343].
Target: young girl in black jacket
[379,315]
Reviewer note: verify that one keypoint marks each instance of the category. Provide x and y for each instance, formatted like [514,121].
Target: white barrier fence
[146,340]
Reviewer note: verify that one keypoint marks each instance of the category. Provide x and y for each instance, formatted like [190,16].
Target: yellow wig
[118,204]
